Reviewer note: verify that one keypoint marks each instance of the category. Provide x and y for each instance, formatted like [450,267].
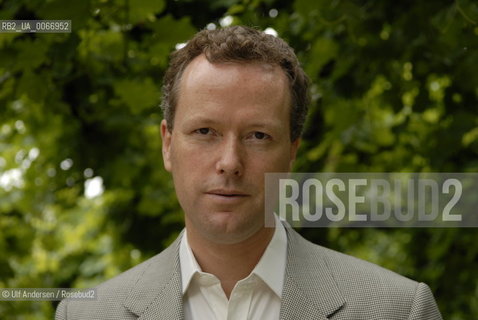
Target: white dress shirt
[258,296]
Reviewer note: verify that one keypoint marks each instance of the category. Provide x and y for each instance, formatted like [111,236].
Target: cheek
[187,167]
[185,183]
[275,161]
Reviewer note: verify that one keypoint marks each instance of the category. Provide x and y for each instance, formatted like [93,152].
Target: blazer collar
[157,292]
[310,291]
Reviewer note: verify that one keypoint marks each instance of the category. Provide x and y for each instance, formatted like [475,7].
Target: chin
[225,228]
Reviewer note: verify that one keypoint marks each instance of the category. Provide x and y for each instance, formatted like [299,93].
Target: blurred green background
[84,196]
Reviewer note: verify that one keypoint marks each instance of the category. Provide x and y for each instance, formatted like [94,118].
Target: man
[234,102]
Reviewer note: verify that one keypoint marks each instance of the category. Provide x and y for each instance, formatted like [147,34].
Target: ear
[166,146]
[293,151]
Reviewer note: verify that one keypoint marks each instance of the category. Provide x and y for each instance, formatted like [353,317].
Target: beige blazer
[319,284]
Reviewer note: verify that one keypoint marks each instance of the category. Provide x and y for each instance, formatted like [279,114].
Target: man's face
[231,126]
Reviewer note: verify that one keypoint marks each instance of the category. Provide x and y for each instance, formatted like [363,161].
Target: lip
[227,193]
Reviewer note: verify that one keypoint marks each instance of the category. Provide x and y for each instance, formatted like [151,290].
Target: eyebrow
[266,124]
[208,121]
[200,119]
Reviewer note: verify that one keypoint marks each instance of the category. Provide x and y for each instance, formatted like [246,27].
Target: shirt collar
[189,265]
[270,268]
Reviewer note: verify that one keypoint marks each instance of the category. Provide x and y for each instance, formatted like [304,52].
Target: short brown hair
[239,44]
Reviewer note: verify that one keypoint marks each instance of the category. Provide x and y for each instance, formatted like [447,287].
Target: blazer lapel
[157,293]
[310,291]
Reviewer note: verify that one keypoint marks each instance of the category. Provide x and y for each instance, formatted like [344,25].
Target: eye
[260,135]
[203,131]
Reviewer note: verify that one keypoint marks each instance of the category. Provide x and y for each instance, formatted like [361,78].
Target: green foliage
[394,88]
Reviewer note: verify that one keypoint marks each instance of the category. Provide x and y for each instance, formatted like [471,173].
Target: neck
[229,262]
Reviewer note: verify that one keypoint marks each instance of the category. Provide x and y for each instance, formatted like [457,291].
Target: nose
[230,158]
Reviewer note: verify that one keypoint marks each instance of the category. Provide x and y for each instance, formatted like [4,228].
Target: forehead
[233,94]
[248,77]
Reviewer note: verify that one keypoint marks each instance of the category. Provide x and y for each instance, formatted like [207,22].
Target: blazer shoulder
[344,266]
[111,294]
[389,294]
[368,291]
[129,277]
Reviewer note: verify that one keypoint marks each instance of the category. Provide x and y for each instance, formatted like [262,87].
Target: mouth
[228,193]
